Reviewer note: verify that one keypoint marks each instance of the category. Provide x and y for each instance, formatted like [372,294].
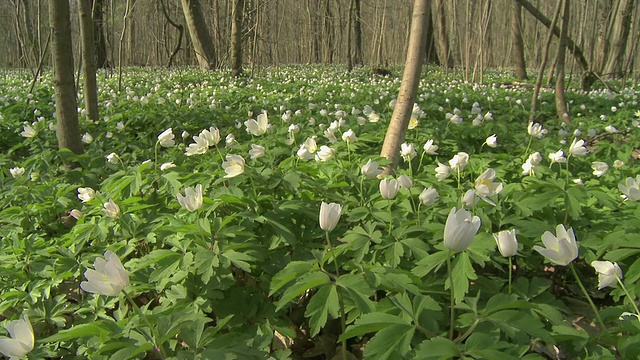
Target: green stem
[420,163]
[584,291]
[150,338]
[390,216]
[624,288]
[528,146]
[452,310]
[343,317]
[510,272]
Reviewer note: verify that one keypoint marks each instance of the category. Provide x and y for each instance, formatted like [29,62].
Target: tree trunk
[618,37]
[236,37]
[543,65]
[406,96]
[88,59]
[431,56]
[200,38]
[357,35]
[561,101]
[349,25]
[520,67]
[68,129]
[98,34]
[443,40]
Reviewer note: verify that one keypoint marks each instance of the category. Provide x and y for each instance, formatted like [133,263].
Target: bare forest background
[470,35]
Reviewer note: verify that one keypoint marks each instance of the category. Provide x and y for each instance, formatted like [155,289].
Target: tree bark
[520,67]
[68,129]
[88,59]
[349,26]
[431,53]
[395,134]
[443,39]
[98,34]
[561,101]
[200,37]
[357,35]
[236,38]
[621,26]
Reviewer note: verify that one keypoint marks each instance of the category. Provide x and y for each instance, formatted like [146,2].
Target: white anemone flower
[234,165]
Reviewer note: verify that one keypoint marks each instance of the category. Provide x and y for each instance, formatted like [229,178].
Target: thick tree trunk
[431,56]
[88,59]
[357,35]
[236,37]
[68,130]
[621,26]
[200,37]
[443,39]
[98,34]
[561,101]
[520,67]
[406,96]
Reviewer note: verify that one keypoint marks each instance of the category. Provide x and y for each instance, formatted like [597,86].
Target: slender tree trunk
[68,129]
[543,65]
[406,96]
[200,38]
[587,76]
[236,37]
[88,59]
[98,34]
[561,101]
[520,67]
[443,38]
[349,25]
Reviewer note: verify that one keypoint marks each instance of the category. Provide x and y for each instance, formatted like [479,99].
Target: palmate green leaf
[322,304]
[292,271]
[437,348]
[396,339]
[206,262]
[373,322]
[304,283]
[430,263]
[520,325]
[100,328]
[462,272]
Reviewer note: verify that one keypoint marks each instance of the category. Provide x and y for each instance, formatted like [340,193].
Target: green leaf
[323,303]
[239,259]
[373,322]
[96,328]
[292,271]
[462,272]
[437,348]
[304,283]
[396,339]
[430,263]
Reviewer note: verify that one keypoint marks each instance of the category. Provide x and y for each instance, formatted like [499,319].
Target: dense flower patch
[213,217]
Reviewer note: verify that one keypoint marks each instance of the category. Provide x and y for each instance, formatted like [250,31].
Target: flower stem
[149,338]
[510,272]
[624,288]
[593,306]
[390,216]
[452,310]
[343,317]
